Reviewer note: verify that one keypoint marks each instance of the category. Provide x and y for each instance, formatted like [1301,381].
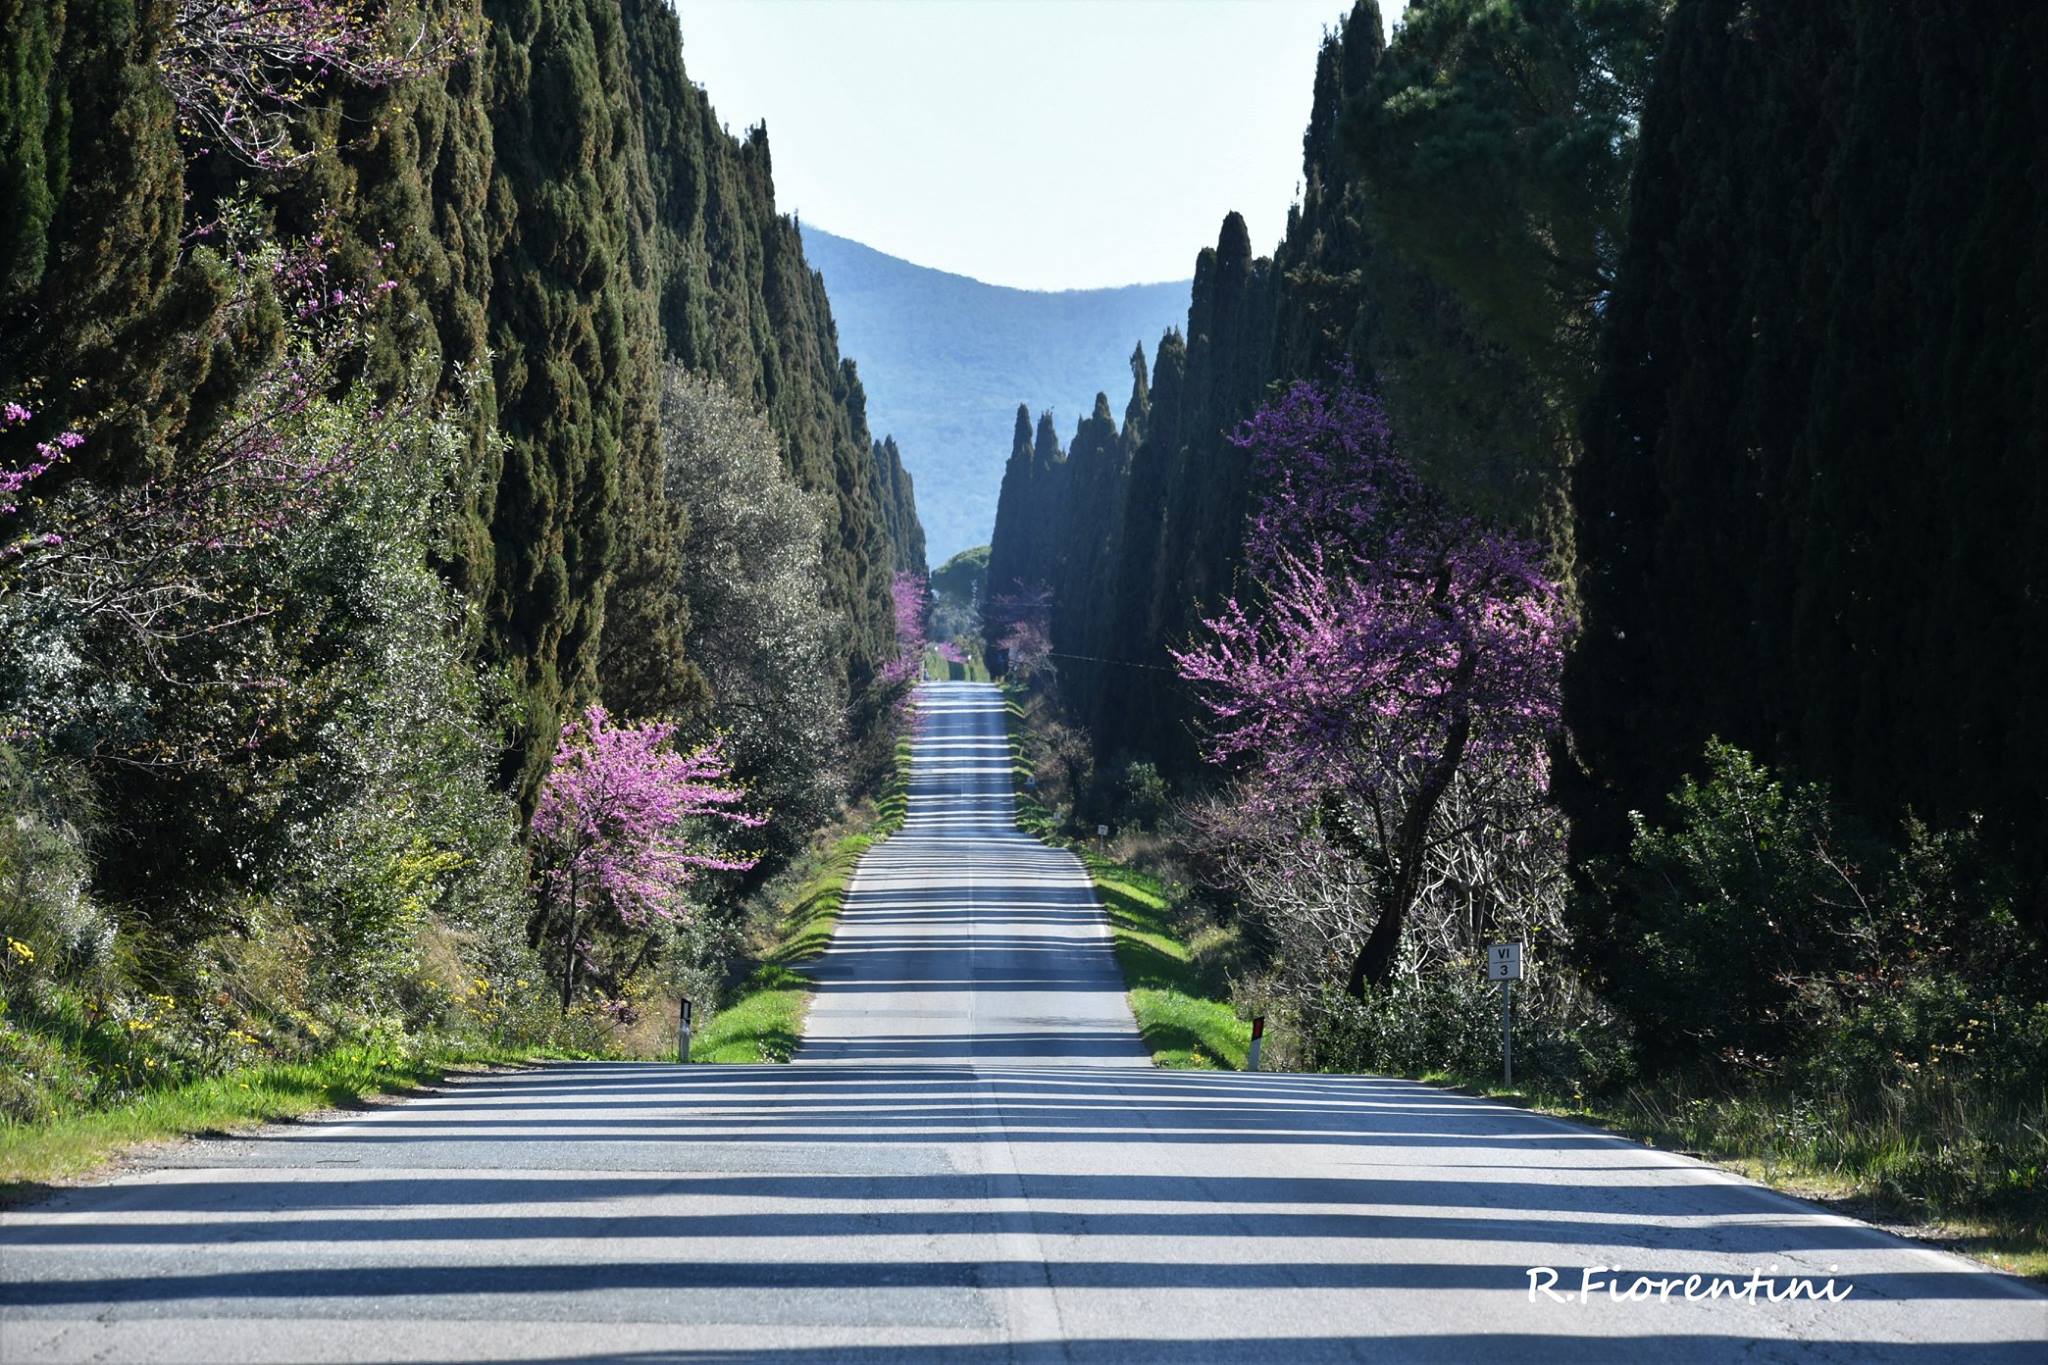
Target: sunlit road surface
[970,1162]
[961,939]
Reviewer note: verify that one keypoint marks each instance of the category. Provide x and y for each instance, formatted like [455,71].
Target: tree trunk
[569,947]
[1374,965]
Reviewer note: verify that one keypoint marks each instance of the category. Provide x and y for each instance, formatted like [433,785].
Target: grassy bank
[1853,1153]
[33,1154]
[1032,816]
[765,1021]
[1177,987]
[894,800]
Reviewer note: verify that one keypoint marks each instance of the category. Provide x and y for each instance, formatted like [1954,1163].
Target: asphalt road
[962,940]
[969,1163]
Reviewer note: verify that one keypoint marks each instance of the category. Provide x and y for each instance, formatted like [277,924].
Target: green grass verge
[34,1154]
[1182,1004]
[1032,816]
[765,1021]
[894,801]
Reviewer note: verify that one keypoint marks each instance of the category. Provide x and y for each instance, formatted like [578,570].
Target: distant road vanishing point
[971,1160]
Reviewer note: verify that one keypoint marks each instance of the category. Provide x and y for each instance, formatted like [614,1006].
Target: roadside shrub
[1751,887]
[1810,993]
[1763,929]
[52,926]
[1127,793]
[1450,1023]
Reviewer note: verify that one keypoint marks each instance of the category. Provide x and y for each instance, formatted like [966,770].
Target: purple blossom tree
[1023,635]
[15,479]
[909,596]
[1389,648]
[622,823]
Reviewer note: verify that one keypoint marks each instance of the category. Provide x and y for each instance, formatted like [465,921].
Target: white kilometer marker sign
[1504,964]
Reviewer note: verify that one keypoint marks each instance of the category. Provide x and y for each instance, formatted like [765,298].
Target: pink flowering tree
[1390,649]
[244,74]
[18,474]
[624,824]
[1023,630]
[910,598]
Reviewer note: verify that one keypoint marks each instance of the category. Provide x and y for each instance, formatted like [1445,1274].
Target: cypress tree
[1809,513]
[1009,551]
[895,496]
[107,322]
[572,337]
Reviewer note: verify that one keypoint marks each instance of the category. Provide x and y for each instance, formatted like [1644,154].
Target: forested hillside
[1610,519]
[948,356]
[386,389]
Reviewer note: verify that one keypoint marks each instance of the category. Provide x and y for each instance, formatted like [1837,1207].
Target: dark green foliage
[1096,471]
[1468,410]
[1752,889]
[1766,927]
[1018,557]
[106,323]
[1495,141]
[573,344]
[896,502]
[411,165]
[1132,689]
[1811,507]
[35,129]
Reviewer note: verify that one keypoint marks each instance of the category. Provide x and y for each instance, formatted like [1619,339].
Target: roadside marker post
[1504,964]
[1251,1059]
[683,1016]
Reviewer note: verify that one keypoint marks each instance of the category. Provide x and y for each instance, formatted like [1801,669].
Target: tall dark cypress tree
[1088,526]
[1810,512]
[1136,692]
[573,343]
[896,500]
[1010,548]
[107,322]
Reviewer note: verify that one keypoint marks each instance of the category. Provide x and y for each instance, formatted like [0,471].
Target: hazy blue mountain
[946,360]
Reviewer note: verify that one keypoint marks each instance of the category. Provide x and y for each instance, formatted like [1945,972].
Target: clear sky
[1048,144]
